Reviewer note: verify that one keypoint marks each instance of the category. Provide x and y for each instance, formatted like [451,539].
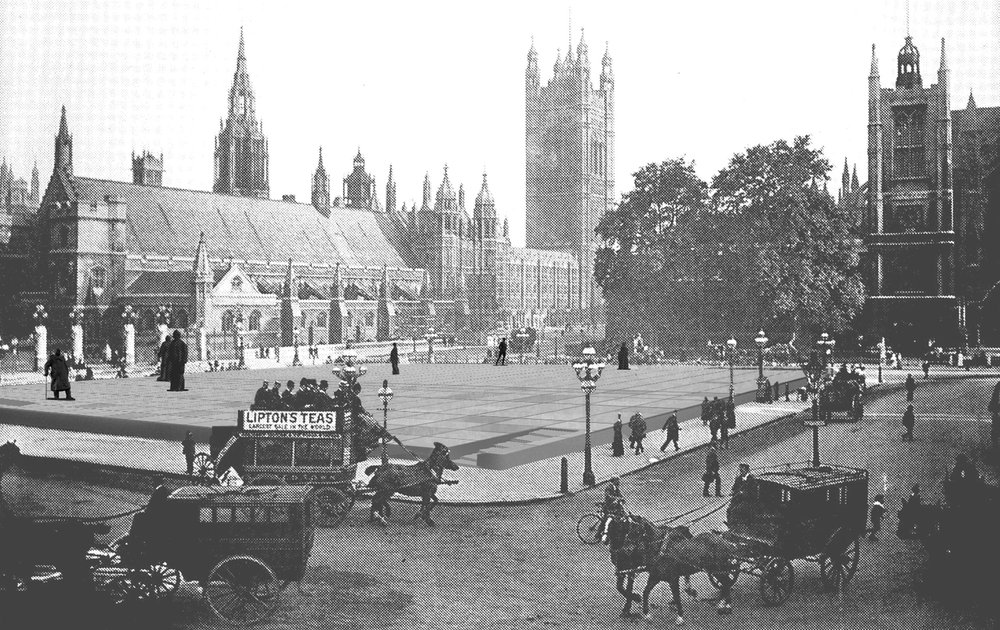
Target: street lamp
[349,373]
[238,331]
[826,344]
[815,371]
[295,359]
[731,344]
[762,385]
[385,394]
[588,371]
[881,358]
[430,344]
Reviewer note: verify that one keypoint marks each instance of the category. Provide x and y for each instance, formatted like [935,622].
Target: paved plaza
[493,417]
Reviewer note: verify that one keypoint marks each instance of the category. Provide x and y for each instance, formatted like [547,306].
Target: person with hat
[637,424]
[262,398]
[741,479]
[394,358]
[911,386]
[878,511]
[177,357]
[288,396]
[909,513]
[59,371]
[673,431]
[617,443]
[712,470]
[274,397]
[187,448]
[909,419]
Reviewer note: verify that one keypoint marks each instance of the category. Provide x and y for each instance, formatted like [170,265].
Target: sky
[422,84]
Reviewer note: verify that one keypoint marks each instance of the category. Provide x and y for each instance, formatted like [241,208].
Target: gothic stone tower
[241,162]
[911,235]
[569,140]
[321,188]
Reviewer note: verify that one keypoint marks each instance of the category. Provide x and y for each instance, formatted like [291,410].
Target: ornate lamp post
[815,371]
[295,359]
[588,371]
[385,394]
[881,358]
[238,329]
[826,345]
[731,346]
[762,385]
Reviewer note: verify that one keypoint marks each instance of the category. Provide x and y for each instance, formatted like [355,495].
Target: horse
[667,554]
[24,542]
[416,480]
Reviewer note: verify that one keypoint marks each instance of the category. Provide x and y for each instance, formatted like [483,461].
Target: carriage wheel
[776,581]
[838,568]
[204,469]
[335,503]
[267,480]
[733,573]
[242,590]
[588,528]
[161,580]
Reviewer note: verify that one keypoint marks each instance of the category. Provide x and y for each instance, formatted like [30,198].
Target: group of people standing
[173,358]
[311,396]
[719,416]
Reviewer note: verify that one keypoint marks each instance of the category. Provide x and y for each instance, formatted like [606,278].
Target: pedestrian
[731,413]
[908,421]
[502,352]
[777,392]
[927,368]
[909,514]
[706,410]
[187,447]
[638,432]
[715,420]
[394,359]
[177,358]
[262,398]
[724,435]
[56,368]
[617,445]
[288,396]
[741,479]
[878,510]
[673,431]
[162,356]
[712,471]
[911,386]
[623,357]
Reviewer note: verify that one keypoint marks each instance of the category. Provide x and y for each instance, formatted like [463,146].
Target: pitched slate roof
[162,283]
[167,222]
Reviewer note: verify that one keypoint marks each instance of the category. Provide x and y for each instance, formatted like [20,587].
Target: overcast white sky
[419,84]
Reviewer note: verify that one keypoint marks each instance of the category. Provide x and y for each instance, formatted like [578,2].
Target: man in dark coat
[617,442]
[56,368]
[502,352]
[706,411]
[274,397]
[741,479]
[927,368]
[712,471]
[288,396]
[908,422]
[724,427]
[673,430]
[177,356]
[715,418]
[638,426]
[911,385]
[187,447]
[623,357]
[162,356]
[262,399]
[394,359]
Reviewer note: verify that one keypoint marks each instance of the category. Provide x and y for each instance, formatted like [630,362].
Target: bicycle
[590,527]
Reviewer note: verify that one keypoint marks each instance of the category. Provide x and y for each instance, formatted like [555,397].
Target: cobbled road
[523,566]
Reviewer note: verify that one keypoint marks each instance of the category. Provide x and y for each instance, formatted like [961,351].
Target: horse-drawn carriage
[843,395]
[791,512]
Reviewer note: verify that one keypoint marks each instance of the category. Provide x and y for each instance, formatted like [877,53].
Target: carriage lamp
[762,383]
[731,344]
[588,371]
[385,394]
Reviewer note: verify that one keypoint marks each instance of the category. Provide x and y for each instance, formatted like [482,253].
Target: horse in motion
[667,554]
[26,542]
[415,480]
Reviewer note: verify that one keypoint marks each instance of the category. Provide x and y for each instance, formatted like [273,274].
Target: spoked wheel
[204,469]
[776,581]
[838,568]
[734,574]
[588,528]
[335,502]
[161,580]
[242,590]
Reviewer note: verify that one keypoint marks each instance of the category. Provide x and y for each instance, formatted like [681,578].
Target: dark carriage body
[196,527]
[800,511]
[843,398]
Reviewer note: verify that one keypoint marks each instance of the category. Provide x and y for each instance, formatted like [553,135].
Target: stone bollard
[787,398]
[77,342]
[564,476]
[129,344]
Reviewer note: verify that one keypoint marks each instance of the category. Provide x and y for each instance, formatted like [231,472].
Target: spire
[291,289]
[390,192]
[427,193]
[532,77]
[581,52]
[972,101]
[845,179]
[607,75]
[569,39]
[944,58]
[64,146]
[855,184]
[319,166]
[63,127]
[241,98]
[874,70]
[461,196]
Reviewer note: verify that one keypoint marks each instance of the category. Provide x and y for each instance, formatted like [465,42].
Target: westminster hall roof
[167,222]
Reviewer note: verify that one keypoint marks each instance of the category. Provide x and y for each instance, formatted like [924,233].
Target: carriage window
[786,495]
[273,452]
[277,514]
[244,515]
[207,515]
[224,515]
[313,452]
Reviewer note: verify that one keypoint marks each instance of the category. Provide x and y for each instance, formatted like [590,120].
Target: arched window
[321,320]
[254,322]
[370,319]
[227,321]
[181,319]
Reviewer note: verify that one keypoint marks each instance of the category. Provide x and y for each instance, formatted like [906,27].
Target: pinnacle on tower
[64,146]
[319,166]
[944,57]
[290,288]
[855,184]
[874,70]
[201,269]
[972,101]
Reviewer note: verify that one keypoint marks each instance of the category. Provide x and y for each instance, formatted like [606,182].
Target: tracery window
[908,158]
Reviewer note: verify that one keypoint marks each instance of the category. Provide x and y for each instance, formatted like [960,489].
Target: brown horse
[667,554]
[415,480]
